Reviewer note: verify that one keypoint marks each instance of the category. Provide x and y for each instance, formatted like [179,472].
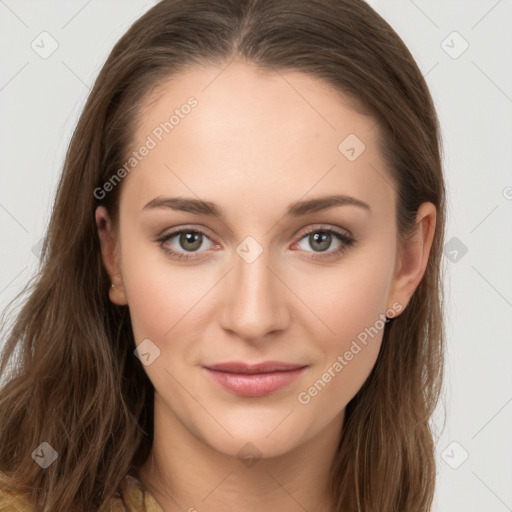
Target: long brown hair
[71,378]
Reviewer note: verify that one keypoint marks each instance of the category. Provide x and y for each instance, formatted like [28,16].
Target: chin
[247,449]
[259,436]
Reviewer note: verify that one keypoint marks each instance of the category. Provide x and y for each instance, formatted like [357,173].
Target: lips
[264,367]
[254,380]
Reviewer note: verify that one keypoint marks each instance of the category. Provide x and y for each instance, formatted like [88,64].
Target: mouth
[253,380]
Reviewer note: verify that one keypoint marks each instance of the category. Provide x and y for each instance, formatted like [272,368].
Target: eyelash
[346,240]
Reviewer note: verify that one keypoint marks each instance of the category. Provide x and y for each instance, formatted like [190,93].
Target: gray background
[41,99]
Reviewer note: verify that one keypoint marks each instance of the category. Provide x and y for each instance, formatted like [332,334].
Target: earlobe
[414,255]
[109,255]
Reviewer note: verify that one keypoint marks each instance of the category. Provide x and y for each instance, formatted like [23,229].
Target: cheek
[348,300]
[353,316]
[158,293]
[347,358]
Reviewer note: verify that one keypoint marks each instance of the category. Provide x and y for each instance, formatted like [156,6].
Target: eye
[183,243]
[188,240]
[320,239]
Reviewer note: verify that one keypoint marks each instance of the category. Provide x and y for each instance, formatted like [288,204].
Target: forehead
[257,131]
[239,97]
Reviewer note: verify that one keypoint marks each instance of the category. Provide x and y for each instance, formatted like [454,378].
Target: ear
[413,256]
[110,255]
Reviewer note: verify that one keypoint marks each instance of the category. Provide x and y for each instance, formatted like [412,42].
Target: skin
[256,142]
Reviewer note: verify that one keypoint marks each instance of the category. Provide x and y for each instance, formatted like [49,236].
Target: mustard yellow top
[132,498]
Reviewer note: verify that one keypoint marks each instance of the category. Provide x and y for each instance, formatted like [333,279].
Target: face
[274,278]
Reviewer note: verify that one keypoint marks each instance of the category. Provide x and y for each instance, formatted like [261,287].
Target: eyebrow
[295,209]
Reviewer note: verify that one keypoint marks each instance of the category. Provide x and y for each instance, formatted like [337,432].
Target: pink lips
[256,379]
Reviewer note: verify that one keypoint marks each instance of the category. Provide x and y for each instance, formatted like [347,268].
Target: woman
[240,298]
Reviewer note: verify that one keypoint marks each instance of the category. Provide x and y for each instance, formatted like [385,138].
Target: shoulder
[132,497]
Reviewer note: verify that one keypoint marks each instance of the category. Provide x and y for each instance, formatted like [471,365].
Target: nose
[255,300]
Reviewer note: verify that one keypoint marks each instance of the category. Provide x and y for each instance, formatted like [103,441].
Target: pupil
[326,239]
[191,238]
